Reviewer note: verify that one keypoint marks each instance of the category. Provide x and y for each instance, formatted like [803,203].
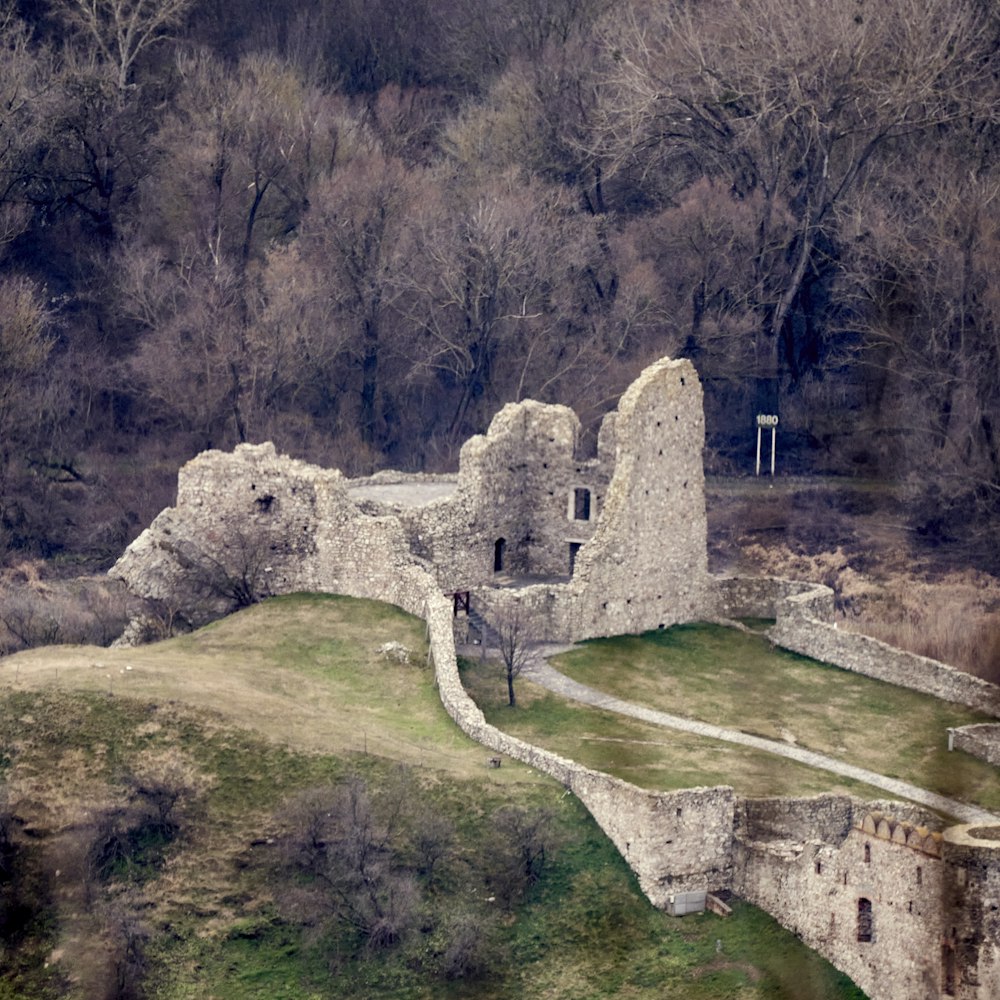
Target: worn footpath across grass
[739,680]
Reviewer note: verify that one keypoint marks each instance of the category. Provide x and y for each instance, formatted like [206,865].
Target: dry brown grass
[303,672]
[855,537]
[38,610]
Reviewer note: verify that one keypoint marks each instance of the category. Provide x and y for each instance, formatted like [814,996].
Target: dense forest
[358,227]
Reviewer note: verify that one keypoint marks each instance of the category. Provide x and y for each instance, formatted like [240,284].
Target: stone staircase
[479,626]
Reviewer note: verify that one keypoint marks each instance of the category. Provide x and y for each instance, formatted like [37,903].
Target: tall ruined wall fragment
[513,512]
[647,564]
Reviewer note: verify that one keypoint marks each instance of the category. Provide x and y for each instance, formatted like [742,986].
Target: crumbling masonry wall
[640,562]
[982,741]
[673,841]
[515,510]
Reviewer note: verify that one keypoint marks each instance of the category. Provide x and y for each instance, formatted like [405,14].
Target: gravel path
[545,675]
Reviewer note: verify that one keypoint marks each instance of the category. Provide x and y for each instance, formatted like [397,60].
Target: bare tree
[24,76]
[521,847]
[791,104]
[516,642]
[350,245]
[126,939]
[25,346]
[921,269]
[501,274]
[237,570]
[346,840]
[121,30]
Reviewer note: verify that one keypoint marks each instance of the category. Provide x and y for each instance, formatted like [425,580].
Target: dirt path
[545,675]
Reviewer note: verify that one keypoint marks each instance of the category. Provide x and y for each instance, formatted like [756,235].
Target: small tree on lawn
[516,643]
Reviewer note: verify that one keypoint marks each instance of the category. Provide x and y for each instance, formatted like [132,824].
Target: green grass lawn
[739,680]
[290,695]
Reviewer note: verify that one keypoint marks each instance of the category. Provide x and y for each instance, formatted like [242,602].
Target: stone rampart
[762,596]
[647,563]
[804,613]
[900,909]
[970,951]
[523,497]
[982,741]
[673,841]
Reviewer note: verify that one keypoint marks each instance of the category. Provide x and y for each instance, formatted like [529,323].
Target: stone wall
[865,900]
[673,841]
[799,629]
[516,508]
[804,624]
[647,564]
[970,946]
[981,741]
[640,562]
[290,525]
[763,596]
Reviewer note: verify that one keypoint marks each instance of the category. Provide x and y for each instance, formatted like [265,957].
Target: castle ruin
[593,546]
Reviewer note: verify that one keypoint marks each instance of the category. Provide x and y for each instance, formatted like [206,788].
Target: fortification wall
[932,905]
[288,525]
[982,741]
[970,947]
[804,624]
[673,841]
[763,596]
[647,563]
[517,507]
[864,899]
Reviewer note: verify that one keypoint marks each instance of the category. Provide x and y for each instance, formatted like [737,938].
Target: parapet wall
[981,741]
[804,613]
[765,596]
[866,902]
[673,841]
[798,629]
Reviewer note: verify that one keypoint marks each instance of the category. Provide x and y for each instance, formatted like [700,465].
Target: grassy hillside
[160,838]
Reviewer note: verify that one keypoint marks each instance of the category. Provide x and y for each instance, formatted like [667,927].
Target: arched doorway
[499,550]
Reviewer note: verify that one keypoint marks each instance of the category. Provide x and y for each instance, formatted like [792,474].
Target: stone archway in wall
[499,555]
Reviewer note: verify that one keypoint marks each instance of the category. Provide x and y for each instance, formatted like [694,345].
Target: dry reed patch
[949,615]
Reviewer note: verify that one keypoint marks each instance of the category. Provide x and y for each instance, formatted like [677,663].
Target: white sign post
[767,420]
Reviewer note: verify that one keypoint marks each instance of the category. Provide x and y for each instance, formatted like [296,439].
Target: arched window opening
[865,923]
[868,854]
[581,504]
